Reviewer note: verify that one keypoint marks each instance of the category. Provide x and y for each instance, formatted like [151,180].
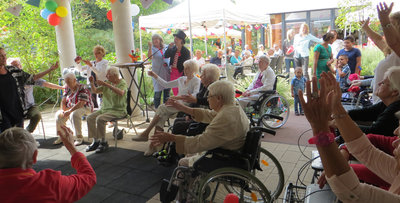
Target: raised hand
[365,23]
[384,10]
[149,44]
[87,62]
[54,66]
[91,79]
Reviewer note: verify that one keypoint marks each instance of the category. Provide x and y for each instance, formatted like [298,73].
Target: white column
[123,38]
[65,37]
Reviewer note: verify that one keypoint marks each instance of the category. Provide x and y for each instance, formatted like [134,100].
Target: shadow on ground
[122,175]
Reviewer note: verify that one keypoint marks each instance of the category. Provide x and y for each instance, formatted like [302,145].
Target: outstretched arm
[391,34]
[40,75]
[52,86]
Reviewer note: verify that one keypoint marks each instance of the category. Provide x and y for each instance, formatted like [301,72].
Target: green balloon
[51,5]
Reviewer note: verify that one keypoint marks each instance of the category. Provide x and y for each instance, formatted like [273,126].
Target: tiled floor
[125,175]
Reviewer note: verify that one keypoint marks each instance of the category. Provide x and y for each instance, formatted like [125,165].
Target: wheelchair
[251,174]
[270,109]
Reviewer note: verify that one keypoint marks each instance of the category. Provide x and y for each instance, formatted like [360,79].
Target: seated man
[246,62]
[20,183]
[33,113]
[263,80]
[217,60]
[76,102]
[113,106]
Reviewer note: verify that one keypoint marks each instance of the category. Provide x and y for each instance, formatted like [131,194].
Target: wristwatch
[322,139]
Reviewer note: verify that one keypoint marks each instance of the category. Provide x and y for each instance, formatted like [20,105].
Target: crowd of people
[369,134]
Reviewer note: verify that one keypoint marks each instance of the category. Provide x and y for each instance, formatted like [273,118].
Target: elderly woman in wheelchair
[262,100]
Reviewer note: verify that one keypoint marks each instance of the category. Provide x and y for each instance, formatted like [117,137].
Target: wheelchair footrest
[165,195]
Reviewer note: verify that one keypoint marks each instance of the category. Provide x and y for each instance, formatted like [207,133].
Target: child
[343,71]
[188,84]
[298,83]
[353,54]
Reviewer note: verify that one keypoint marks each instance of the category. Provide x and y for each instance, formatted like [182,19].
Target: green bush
[369,60]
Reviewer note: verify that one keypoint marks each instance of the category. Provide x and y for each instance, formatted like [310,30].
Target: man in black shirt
[12,96]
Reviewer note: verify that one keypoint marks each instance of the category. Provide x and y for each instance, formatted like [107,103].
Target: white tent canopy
[209,13]
[214,33]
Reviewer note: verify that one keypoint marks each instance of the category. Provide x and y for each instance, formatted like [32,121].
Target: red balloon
[54,19]
[109,15]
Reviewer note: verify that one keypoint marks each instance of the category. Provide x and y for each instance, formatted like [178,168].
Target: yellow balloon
[61,11]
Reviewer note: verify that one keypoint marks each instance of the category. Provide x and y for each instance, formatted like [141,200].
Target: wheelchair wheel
[271,173]
[221,182]
[274,105]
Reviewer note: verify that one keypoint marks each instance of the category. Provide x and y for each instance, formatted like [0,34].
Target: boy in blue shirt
[298,83]
[343,71]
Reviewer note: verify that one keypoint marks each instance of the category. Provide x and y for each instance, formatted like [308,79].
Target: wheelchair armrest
[368,76]
[268,92]
[272,132]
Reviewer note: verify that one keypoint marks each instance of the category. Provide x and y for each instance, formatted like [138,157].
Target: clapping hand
[101,83]
[67,136]
[87,62]
[160,138]
[189,98]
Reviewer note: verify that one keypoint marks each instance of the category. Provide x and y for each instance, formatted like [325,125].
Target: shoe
[103,146]
[78,141]
[57,141]
[150,151]
[139,138]
[302,113]
[93,146]
[297,114]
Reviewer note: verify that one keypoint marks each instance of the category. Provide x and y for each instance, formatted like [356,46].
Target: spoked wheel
[222,182]
[274,105]
[271,173]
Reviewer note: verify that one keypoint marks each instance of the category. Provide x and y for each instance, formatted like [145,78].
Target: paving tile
[97,194]
[135,182]
[124,198]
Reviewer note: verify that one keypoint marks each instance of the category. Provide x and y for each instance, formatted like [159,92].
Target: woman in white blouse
[188,84]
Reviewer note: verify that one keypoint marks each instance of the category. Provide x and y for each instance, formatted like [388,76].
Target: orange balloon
[112,1]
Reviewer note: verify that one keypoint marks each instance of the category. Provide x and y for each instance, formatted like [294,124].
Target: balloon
[54,19]
[135,9]
[109,15]
[62,11]
[45,13]
[112,1]
[51,5]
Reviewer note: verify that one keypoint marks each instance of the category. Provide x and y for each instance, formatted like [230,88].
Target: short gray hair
[17,146]
[213,72]
[264,58]
[393,75]
[192,65]
[224,89]
[113,71]
[69,76]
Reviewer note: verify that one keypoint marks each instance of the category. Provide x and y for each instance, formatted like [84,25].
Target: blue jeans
[288,63]
[297,105]
[157,97]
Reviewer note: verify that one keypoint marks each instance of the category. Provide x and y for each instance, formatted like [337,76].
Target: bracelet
[389,25]
[335,116]
[322,139]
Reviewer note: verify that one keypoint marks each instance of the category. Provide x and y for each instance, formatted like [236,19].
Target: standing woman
[177,54]
[288,50]
[323,56]
[160,67]
[301,46]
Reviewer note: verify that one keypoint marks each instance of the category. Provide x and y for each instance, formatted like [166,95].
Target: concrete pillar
[123,38]
[65,38]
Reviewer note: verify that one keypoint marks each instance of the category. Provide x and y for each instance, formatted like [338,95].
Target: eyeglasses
[209,96]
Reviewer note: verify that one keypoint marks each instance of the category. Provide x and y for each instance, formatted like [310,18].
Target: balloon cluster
[53,13]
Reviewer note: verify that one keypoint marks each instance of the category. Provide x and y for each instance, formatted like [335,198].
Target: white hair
[393,75]
[224,89]
[212,72]
[69,76]
[264,58]
[192,65]
[17,146]
[113,71]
